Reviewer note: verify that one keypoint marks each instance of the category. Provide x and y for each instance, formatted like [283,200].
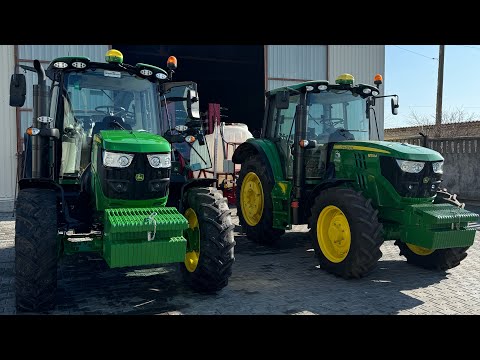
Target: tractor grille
[421,185]
[127,183]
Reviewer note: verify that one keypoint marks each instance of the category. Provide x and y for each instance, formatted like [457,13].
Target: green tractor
[314,164]
[110,144]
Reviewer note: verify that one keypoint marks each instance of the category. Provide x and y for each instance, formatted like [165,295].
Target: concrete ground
[283,279]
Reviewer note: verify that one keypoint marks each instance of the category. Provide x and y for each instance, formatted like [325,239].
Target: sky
[411,73]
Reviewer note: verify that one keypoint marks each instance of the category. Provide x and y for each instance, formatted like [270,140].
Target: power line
[416,53]
[471,47]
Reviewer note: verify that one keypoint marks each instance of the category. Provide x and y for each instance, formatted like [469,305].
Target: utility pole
[438,115]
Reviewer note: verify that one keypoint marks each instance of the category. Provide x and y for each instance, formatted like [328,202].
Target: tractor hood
[393,149]
[132,141]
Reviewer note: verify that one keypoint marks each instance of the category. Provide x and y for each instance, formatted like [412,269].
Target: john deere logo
[139,177]
[426,180]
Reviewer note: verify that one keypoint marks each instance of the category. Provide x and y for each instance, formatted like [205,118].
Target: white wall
[8,162]
[363,62]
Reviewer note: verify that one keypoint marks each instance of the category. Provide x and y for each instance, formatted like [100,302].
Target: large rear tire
[346,233]
[441,259]
[254,201]
[36,252]
[210,241]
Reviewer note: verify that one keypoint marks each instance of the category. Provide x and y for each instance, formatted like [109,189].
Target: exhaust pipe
[40,144]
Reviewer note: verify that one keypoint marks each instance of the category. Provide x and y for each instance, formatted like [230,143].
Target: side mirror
[18,89]
[282,99]
[394,103]
[193,105]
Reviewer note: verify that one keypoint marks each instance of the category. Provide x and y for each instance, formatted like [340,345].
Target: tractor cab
[333,113]
[86,98]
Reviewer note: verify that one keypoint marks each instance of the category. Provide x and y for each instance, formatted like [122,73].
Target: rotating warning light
[172,63]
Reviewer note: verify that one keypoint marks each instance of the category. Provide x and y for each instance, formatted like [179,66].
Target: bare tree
[458,116]
[415,119]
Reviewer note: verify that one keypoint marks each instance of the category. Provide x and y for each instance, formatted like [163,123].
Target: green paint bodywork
[271,152]
[132,141]
[368,178]
[394,149]
[413,220]
[281,189]
[128,223]
[144,236]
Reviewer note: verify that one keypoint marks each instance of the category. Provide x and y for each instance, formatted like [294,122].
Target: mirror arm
[384,96]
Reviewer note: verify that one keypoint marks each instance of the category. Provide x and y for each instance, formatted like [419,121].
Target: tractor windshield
[100,99]
[334,110]
[96,94]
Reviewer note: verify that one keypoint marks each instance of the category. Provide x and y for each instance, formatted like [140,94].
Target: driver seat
[108,123]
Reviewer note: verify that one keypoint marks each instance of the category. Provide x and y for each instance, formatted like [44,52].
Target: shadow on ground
[282,279]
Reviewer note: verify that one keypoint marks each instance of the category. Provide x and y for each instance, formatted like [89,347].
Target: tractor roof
[81,63]
[316,83]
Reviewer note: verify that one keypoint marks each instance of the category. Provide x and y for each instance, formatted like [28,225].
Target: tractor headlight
[438,167]
[160,160]
[116,160]
[413,167]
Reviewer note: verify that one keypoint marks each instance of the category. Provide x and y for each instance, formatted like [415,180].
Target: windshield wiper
[108,96]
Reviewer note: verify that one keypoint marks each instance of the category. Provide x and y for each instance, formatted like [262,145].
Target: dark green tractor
[110,144]
[315,164]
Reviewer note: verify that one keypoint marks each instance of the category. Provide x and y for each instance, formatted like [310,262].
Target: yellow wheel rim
[192,234]
[420,250]
[333,234]
[251,199]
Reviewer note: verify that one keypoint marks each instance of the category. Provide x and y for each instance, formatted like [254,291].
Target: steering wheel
[112,112]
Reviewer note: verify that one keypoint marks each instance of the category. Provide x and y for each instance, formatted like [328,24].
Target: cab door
[316,158]
[281,131]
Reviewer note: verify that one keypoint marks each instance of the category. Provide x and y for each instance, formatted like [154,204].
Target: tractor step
[144,236]
[438,226]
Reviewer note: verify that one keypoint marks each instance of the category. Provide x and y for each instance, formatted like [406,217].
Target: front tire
[346,233]
[441,259]
[210,241]
[36,252]
[254,201]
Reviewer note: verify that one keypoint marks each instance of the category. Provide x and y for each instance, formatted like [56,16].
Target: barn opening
[230,75]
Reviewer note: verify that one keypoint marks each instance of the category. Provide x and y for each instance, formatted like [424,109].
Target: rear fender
[267,150]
